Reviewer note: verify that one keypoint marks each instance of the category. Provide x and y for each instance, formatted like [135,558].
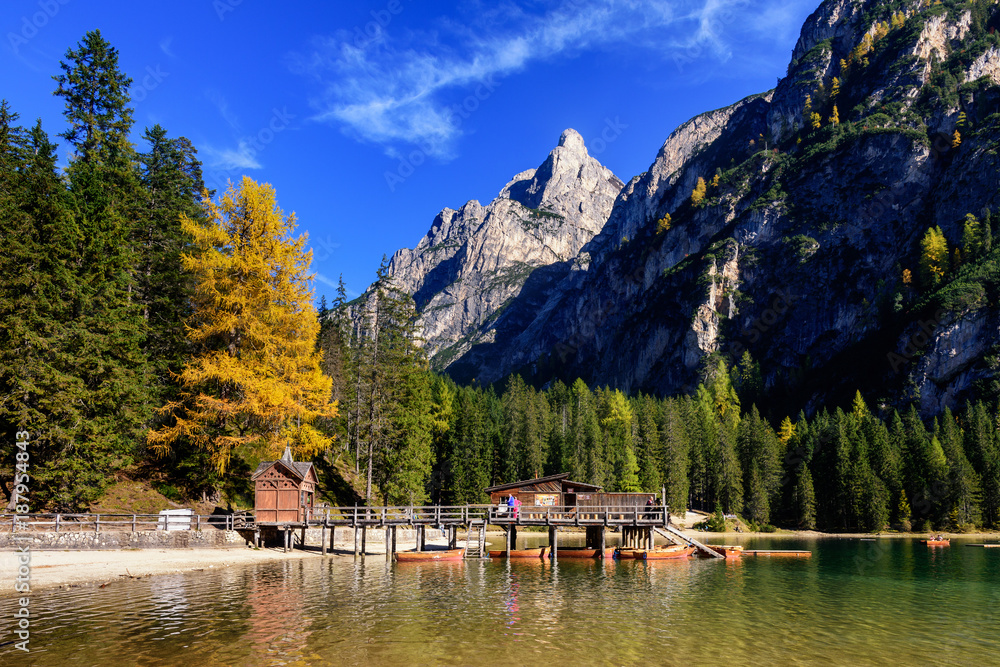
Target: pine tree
[804,500]
[675,456]
[254,383]
[972,238]
[110,367]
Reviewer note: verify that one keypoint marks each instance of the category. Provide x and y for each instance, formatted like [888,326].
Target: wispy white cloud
[165,44]
[222,106]
[381,90]
[244,156]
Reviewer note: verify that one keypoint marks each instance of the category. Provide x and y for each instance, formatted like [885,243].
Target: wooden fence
[132,522]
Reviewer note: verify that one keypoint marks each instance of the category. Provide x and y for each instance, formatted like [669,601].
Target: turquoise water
[853,602]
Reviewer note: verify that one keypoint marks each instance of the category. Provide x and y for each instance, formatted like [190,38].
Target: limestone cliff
[475,260]
[885,124]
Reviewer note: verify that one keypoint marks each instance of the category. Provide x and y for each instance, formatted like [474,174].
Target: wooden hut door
[288,503]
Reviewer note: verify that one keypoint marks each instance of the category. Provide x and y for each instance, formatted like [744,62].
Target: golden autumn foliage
[835,88]
[907,277]
[786,431]
[816,121]
[254,382]
[835,116]
[933,257]
[956,140]
[715,181]
[699,191]
[663,224]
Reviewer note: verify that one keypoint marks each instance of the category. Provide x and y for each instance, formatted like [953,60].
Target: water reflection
[905,603]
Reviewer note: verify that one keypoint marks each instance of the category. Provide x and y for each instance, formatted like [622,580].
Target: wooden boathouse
[284,491]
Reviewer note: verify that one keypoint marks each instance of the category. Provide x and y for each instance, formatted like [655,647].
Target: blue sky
[370,117]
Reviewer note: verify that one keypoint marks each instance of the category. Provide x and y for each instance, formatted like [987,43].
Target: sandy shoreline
[70,569]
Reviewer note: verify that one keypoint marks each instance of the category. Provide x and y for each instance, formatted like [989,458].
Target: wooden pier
[636,524]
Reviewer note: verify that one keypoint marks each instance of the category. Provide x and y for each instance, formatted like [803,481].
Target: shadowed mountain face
[805,250]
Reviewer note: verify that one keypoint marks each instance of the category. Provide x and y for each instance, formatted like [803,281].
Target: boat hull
[668,554]
[521,553]
[582,553]
[937,543]
[728,551]
[429,556]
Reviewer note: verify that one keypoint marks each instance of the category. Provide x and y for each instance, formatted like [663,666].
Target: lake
[854,602]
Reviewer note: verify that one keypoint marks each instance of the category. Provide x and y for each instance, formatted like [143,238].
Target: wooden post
[97,524]
[388,544]
[364,540]
[600,553]
[284,535]
[394,539]
[303,538]
[322,539]
[333,536]
[510,534]
[357,542]
[553,542]
[420,537]
[57,523]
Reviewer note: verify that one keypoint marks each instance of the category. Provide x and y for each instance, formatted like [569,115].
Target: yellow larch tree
[835,116]
[786,431]
[956,139]
[253,383]
[698,194]
[933,257]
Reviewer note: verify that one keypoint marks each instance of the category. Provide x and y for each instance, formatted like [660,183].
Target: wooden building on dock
[560,491]
[283,490]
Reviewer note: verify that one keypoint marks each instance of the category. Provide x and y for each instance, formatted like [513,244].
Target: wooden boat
[520,553]
[667,554]
[937,543]
[425,556]
[729,551]
[626,554]
[578,552]
[779,553]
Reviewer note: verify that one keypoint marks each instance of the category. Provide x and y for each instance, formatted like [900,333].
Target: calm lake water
[854,602]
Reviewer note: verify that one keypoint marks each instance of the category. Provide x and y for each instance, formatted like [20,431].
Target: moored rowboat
[572,552]
[668,554]
[424,556]
[729,551]
[520,553]
[937,543]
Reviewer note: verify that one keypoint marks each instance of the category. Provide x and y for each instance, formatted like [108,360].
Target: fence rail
[133,522]
[357,516]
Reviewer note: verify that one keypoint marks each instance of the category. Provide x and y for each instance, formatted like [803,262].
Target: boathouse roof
[300,469]
[562,480]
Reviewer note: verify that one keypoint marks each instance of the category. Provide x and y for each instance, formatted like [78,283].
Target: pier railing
[116,522]
[357,516]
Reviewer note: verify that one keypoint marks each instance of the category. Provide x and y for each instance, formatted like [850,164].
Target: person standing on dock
[512,506]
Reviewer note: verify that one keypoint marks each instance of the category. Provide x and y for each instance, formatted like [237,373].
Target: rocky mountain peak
[475,260]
